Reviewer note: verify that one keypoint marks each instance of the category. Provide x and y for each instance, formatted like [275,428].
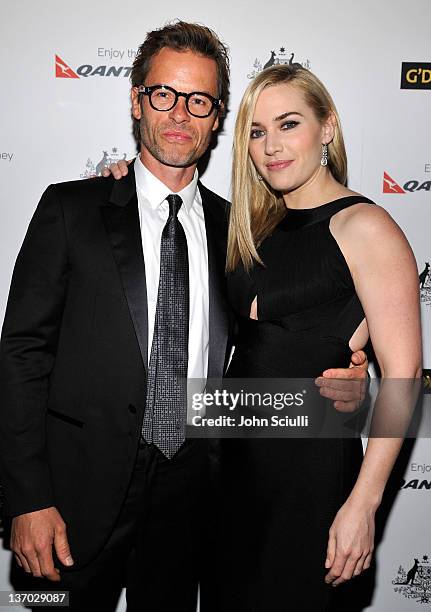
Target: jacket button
[132,409]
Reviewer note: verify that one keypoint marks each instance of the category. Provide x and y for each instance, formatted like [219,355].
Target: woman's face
[286,138]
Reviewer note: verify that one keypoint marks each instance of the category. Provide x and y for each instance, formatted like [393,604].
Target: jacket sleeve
[27,356]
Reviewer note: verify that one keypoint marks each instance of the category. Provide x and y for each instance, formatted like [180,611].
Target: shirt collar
[156,192]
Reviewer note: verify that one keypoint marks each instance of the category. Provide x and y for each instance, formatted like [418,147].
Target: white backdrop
[55,128]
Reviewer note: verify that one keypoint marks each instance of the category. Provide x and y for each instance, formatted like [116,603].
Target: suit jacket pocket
[65,417]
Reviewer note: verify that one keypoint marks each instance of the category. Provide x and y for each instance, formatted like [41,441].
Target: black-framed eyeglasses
[163,98]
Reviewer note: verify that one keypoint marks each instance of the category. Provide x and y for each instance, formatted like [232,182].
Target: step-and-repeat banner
[65,115]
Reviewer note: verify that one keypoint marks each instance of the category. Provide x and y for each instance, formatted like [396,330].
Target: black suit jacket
[74,353]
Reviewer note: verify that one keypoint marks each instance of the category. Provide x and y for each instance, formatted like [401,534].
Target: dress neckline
[296,218]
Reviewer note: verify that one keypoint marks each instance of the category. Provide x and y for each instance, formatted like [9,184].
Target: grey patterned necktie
[166,407]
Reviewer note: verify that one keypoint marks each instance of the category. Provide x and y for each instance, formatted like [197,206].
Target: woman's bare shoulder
[363,219]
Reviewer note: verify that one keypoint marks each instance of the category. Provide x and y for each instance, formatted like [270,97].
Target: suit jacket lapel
[121,219]
[216,230]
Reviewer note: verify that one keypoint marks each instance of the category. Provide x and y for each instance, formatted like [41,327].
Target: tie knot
[174,201]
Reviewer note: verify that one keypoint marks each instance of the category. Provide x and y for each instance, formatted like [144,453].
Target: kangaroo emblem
[390,184]
[101,164]
[424,275]
[412,573]
[271,60]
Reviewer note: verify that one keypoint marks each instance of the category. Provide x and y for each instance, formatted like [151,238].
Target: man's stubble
[171,154]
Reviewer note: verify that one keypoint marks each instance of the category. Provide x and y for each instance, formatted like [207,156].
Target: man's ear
[328,128]
[136,106]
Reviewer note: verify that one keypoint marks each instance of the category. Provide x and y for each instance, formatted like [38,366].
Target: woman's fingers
[22,562]
[330,553]
[367,561]
[337,567]
[360,565]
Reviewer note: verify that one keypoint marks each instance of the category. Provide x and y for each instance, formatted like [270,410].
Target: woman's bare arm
[385,274]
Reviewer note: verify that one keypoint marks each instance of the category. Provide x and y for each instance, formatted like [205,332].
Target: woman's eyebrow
[279,117]
[284,115]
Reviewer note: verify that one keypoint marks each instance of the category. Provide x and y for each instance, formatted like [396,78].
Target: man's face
[175,137]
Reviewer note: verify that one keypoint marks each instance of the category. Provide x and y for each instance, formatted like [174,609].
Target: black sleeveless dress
[280,496]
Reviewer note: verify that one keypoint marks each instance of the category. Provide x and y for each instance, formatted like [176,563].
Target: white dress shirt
[153,214]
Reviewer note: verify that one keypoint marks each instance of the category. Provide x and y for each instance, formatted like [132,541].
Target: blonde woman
[314,270]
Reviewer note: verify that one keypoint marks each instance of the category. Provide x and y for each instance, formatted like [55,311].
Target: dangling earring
[324,158]
[259,177]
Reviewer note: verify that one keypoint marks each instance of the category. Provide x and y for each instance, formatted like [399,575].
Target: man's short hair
[182,36]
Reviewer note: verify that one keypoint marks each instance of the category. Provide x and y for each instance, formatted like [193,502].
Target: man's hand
[117,170]
[346,386]
[32,536]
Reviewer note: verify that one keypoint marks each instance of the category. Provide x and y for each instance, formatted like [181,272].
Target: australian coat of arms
[415,583]
[425,284]
[281,57]
[108,158]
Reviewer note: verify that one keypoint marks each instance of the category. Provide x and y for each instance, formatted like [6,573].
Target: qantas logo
[64,71]
[391,186]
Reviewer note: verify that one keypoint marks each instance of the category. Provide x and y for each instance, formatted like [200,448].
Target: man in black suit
[103,488]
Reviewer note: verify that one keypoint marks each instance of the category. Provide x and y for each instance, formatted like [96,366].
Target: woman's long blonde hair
[256,208]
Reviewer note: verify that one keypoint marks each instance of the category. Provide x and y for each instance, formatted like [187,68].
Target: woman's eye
[256,133]
[289,125]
